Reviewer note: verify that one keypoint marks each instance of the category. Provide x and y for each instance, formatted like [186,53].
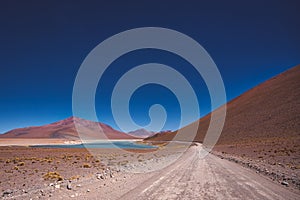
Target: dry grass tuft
[53,176]
[21,164]
[86,165]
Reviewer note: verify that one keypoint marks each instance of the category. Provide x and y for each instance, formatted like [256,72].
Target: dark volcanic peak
[66,129]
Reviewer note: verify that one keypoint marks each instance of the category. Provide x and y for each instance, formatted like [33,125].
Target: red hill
[270,110]
[65,129]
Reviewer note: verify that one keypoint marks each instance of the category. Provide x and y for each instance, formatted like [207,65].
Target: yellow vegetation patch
[86,165]
[53,176]
[21,164]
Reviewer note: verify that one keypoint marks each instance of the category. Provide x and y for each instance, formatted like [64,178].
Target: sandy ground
[38,173]
[34,173]
[42,141]
[211,178]
[28,142]
[278,159]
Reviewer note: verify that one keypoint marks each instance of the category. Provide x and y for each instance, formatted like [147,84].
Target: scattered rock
[7,192]
[42,192]
[74,195]
[57,186]
[111,175]
[88,190]
[100,176]
[285,183]
[69,186]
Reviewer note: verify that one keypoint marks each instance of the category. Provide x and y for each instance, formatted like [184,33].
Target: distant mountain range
[269,110]
[141,133]
[65,129]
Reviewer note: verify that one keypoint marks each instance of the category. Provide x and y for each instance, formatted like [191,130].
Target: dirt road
[209,178]
[190,177]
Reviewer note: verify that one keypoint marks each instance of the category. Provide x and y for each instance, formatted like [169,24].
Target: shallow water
[104,145]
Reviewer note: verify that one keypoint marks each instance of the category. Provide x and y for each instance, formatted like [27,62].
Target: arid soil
[277,159]
[33,141]
[44,173]
[210,178]
[34,173]
[28,170]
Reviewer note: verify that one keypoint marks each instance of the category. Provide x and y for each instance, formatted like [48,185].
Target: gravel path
[209,178]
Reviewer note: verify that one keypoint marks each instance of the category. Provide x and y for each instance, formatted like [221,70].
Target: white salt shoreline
[31,142]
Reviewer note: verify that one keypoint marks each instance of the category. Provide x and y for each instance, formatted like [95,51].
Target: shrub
[75,177]
[53,176]
[21,164]
[86,165]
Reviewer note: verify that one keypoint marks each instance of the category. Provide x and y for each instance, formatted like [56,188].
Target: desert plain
[168,172]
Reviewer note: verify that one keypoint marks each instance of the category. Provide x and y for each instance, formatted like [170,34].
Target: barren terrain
[34,173]
[261,129]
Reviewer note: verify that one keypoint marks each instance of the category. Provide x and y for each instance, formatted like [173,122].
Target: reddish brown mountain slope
[270,110]
[65,129]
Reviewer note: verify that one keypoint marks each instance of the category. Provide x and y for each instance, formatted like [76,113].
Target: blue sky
[44,43]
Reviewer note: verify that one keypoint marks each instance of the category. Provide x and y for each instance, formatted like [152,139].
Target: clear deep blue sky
[43,43]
